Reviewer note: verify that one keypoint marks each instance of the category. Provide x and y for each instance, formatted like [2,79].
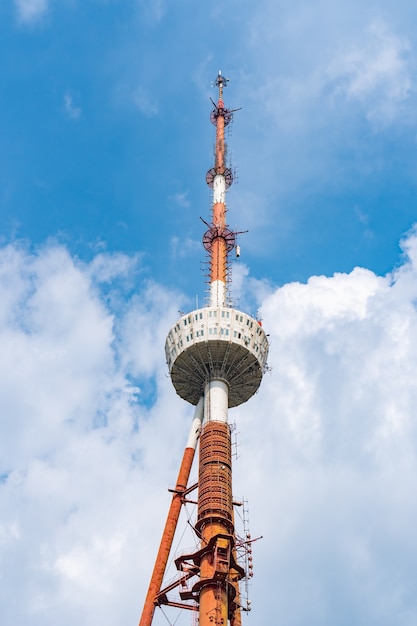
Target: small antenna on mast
[220,82]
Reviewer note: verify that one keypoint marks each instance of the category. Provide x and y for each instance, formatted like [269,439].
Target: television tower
[216,357]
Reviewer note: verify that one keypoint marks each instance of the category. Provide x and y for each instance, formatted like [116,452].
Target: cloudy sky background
[104,145]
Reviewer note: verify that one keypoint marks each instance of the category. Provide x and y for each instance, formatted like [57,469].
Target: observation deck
[215,343]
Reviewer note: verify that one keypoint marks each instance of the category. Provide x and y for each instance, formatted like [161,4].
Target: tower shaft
[216,358]
[215,511]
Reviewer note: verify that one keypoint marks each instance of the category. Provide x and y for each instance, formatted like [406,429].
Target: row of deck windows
[213,331]
[225,314]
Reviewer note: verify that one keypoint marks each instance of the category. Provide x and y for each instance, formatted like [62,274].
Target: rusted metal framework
[216,357]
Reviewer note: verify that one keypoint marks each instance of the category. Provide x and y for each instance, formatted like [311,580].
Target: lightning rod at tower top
[216,357]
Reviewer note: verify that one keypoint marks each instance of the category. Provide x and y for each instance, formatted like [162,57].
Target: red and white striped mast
[219,240]
[216,357]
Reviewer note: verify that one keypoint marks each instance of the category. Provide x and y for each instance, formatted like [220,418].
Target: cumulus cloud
[75,431]
[91,434]
[331,444]
[30,10]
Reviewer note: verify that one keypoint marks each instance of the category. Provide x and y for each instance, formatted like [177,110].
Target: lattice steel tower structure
[216,357]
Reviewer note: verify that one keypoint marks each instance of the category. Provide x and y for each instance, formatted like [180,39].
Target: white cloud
[376,72]
[247,292]
[74,433]
[331,444]
[181,199]
[145,103]
[91,434]
[106,268]
[181,248]
[154,10]
[72,111]
[331,61]
[30,10]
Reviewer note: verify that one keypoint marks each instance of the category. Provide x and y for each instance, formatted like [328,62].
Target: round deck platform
[216,343]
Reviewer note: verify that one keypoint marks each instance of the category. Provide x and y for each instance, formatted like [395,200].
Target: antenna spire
[221,82]
[219,240]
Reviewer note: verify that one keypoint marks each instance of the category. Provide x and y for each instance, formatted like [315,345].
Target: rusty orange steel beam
[172,520]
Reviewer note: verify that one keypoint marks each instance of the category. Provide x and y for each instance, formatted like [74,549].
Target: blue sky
[104,145]
[106,136]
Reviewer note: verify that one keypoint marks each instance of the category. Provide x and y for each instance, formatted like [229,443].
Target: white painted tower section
[218,288]
[218,293]
[219,189]
[196,424]
[216,400]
